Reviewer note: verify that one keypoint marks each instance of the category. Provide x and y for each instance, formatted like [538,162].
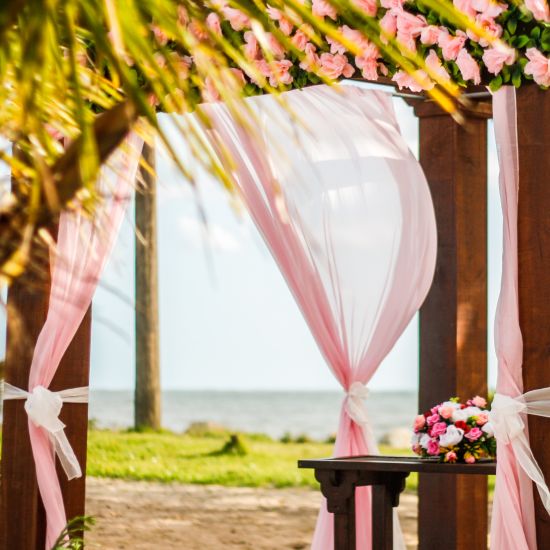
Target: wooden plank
[533,107]
[382,518]
[453,320]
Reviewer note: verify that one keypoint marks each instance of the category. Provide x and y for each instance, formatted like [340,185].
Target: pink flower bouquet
[455,432]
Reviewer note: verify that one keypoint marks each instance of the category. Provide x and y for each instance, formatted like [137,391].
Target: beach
[142,515]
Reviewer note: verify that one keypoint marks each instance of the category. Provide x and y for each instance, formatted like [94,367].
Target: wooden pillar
[22,518]
[533,109]
[453,320]
[147,402]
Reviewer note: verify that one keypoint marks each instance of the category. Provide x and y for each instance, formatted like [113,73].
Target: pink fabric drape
[513,520]
[83,248]
[346,211]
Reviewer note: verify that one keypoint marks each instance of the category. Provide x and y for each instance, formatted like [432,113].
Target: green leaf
[521,41]
[516,77]
[545,40]
[512,25]
[495,84]
[535,33]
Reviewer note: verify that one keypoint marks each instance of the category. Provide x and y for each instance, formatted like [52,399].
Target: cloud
[213,235]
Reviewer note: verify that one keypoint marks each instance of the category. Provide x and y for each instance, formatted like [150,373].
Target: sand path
[146,516]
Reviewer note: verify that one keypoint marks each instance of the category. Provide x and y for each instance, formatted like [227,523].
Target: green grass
[168,457]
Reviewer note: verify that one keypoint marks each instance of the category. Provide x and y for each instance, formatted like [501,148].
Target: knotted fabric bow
[507,417]
[43,408]
[357,410]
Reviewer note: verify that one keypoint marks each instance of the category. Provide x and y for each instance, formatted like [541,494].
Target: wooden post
[147,402]
[533,106]
[453,320]
[22,518]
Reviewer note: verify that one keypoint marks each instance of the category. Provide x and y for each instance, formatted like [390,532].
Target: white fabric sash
[43,408]
[507,418]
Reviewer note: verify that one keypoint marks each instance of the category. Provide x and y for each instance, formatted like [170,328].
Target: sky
[227,319]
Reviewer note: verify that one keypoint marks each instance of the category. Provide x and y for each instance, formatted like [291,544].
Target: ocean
[274,413]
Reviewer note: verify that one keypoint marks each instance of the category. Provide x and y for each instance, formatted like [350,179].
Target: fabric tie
[509,428]
[43,408]
[355,404]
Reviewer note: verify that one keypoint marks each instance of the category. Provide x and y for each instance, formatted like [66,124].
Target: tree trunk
[147,391]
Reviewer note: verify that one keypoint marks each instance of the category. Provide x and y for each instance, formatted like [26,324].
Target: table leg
[382,518]
[338,487]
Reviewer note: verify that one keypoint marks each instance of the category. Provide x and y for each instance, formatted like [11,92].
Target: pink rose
[538,67]
[335,46]
[419,422]
[434,64]
[539,9]
[433,447]
[250,48]
[237,19]
[490,26]
[474,434]
[438,429]
[369,7]
[299,40]
[482,418]
[279,72]
[388,24]
[469,459]
[450,457]
[410,24]
[322,8]
[429,35]
[488,8]
[284,23]
[358,38]
[468,67]
[450,45]
[433,419]
[465,6]
[369,69]
[335,65]
[478,401]
[396,5]
[311,60]
[213,23]
[416,83]
[274,46]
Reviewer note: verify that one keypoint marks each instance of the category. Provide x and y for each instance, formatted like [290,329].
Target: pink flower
[335,46]
[369,7]
[539,9]
[465,6]
[393,4]
[489,25]
[369,69]
[322,8]
[213,23]
[434,64]
[482,418]
[410,24]
[488,8]
[450,456]
[299,40]
[280,74]
[416,83]
[237,19]
[433,447]
[474,434]
[434,417]
[311,60]
[419,422]
[450,45]
[438,429]
[274,46]
[160,36]
[468,67]
[478,401]
[251,50]
[210,92]
[357,37]
[469,459]
[494,59]
[388,24]
[285,24]
[335,65]
[238,76]
[429,35]
[538,67]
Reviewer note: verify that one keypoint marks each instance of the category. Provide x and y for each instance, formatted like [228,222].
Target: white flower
[453,436]
[464,414]
[424,440]
[451,404]
[415,439]
[488,429]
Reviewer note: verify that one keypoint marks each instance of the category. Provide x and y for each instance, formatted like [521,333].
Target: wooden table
[386,474]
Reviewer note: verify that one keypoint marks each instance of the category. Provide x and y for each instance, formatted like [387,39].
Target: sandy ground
[144,516]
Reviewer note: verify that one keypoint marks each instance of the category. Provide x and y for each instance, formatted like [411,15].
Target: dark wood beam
[533,106]
[453,319]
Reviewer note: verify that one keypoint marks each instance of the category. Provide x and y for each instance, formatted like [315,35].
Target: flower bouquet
[455,432]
